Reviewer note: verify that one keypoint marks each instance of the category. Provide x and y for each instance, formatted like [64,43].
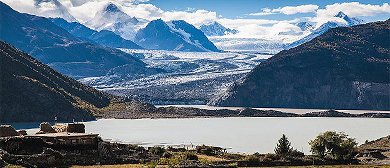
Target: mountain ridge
[326,26]
[55,46]
[175,35]
[344,68]
[102,37]
[216,29]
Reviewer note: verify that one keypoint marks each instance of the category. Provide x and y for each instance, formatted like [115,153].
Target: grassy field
[332,166]
[144,166]
[113,166]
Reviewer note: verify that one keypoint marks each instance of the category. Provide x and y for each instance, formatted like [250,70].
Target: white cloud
[352,9]
[25,6]
[196,18]
[146,11]
[288,10]
[266,11]
[258,28]
[51,8]
[85,11]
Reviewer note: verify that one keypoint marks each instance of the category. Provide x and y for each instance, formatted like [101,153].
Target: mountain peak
[157,22]
[304,26]
[340,15]
[215,23]
[175,35]
[112,8]
[216,29]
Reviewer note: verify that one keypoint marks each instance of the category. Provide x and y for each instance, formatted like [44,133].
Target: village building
[59,134]
[67,138]
[65,134]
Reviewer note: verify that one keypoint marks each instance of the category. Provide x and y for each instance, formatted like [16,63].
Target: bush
[271,157]
[296,153]
[252,160]
[157,150]
[170,148]
[334,145]
[208,150]
[167,155]
[190,156]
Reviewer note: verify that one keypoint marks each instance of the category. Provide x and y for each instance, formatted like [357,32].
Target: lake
[237,134]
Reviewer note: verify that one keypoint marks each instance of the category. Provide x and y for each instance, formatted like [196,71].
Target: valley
[187,77]
[149,84]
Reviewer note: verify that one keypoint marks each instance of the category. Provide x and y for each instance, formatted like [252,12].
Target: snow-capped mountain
[347,22]
[175,35]
[114,19]
[216,29]
[350,21]
[103,37]
[305,26]
[56,10]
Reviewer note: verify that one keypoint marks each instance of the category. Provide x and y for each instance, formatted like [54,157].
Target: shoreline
[180,111]
[282,109]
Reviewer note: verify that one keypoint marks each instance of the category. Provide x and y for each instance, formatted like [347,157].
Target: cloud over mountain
[256,22]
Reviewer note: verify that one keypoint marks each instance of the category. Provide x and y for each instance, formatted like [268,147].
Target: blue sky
[233,9]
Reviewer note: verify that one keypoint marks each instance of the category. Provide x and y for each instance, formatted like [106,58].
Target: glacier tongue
[187,77]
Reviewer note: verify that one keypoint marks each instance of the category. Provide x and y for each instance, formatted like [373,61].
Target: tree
[335,145]
[283,148]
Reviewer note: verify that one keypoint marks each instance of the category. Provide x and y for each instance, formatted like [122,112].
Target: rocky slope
[176,35]
[32,91]
[103,37]
[55,46]
[344,68]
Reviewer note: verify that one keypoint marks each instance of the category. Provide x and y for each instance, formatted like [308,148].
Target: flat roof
[63,134]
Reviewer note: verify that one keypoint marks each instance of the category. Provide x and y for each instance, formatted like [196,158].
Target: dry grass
[142,166]
[210,158]
[340,166]
[13,166]
[113,166]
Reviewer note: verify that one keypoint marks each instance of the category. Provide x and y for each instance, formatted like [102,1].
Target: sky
[253,18]
[240,8]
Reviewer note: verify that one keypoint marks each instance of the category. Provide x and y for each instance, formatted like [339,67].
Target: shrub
[252,160]
[190,156]
[296,153]
[172,149]
[335,145]
[156,150]
[167,155]
[271,156]
[208,150]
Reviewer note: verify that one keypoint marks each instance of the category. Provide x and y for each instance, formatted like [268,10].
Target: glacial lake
[237,134]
